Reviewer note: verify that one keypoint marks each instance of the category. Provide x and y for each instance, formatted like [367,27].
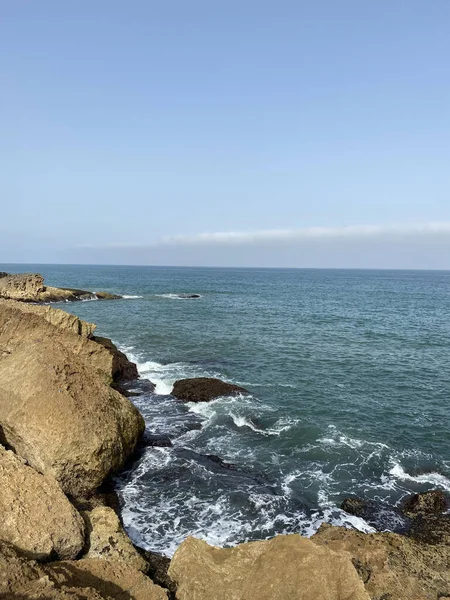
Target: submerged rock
[188,296]
[287,567]
[57,409]
[203,389]
[36,517]
[30,287]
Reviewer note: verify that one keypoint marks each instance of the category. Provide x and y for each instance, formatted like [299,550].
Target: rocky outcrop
[55,409]
[392,566]
[121,367]
[108,540]
[204,389]
[286,567]
[29,287]
[36,517]
[432,502]
[86,579]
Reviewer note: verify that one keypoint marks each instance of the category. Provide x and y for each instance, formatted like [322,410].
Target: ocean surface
[349,380]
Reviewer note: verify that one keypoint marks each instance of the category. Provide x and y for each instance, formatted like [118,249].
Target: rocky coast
[66,428]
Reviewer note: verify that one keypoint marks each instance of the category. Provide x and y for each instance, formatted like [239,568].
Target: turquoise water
[349,374]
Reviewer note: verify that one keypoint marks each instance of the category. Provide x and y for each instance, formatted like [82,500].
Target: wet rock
[188,296]
[378,515]
[286,567]
[431,529]
[158,567]
[392,566]
[426,503]
[219,461]
[36,517]
[203,389]
[122,369]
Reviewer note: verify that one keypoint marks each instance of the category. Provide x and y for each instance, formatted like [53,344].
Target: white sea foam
[180,296]
[434,479]
[130,297]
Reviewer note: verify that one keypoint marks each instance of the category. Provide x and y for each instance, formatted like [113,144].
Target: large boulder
[57,409]
[203,389]
[36,517]
[392,566]
[432,502]
[286,567]
[87,579]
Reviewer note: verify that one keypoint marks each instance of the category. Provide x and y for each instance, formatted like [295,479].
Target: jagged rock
[122,368]
[57,409]
[431,529]
[36,517]
[108,540]
[393,567]
[87,579]
[157,569]
[426,503]
[203,389]
[286,567]
[29,287]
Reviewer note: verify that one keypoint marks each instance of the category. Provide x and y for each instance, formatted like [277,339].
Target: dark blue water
[349,374]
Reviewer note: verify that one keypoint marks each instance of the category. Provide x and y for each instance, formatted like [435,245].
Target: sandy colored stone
[36,517]
[22,579]
[108,540]
[287,567]
[393,567]
[57,409]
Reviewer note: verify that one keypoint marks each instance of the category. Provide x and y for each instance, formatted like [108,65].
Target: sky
[237,133]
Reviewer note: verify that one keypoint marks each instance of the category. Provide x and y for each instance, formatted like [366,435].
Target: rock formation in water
[66,429]
[29,287]
[204,389]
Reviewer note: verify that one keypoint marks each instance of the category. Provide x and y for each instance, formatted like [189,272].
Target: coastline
[86,370]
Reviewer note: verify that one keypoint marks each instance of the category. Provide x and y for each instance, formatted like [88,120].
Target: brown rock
[427,503]
[36,517]
[57,409]
[203,389]
[431,529]
[122,368]
[108,540]
[393,567]
[287,567]
[22,579]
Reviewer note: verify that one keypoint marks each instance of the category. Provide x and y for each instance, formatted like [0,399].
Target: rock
[392,566]
[36,517]
[86,579]
[188,296]
[203,389]
[29,287]
[122,369]
[431,529]
[57,409]
[157,569]
[108,540]
[287,567]
[426,503]
[379,515]
[216,459]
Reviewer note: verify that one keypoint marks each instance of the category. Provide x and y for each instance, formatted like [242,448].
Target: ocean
[349,380]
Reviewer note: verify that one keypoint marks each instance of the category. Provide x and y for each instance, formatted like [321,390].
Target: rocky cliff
[65,429]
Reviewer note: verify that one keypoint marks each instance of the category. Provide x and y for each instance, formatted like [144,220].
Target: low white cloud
[310,233]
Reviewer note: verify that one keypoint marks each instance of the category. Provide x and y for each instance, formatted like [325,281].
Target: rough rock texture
[287,567]
[35,514]
[157,569]
[203,389]
[426,503]
[393,567]
[29,287]
[57,409]
[86,579]
[108,540]
[121,368]
[431,529]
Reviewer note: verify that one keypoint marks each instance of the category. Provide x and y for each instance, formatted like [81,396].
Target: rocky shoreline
[66,428]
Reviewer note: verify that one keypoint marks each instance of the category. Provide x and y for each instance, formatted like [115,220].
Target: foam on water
[436,480]
[131,297]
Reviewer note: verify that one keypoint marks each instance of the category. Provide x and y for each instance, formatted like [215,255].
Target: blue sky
[229,133]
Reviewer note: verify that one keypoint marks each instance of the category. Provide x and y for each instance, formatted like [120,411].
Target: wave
[130,297]
[434,479]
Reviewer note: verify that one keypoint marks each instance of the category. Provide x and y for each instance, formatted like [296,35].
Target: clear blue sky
[124,124]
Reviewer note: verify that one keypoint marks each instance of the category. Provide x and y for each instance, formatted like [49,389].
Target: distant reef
[66,429]
[30,287]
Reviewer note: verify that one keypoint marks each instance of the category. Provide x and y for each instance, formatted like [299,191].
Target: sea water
[348,374]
